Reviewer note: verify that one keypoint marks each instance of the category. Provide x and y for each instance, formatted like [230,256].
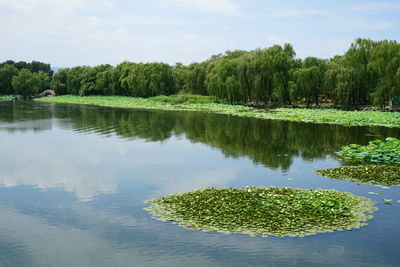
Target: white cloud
[90,32]
[275,39]
[384,25]
[375,7]
[83,187]
[371,7]
[298,13]
[226,7]
[29,6]
[59,33]
[361,24]
[191,181]
[71,245]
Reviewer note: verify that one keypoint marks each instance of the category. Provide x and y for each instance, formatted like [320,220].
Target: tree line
[368,73]
[24,78]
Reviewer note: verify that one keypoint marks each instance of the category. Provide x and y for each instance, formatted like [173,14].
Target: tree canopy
[368,73]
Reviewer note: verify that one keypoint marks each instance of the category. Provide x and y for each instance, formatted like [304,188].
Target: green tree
[74,79]
[28,84]
[310,80]
[59,82]
[385,62]
[7,72]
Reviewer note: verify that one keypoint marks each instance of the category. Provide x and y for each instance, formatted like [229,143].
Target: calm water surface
[73,180]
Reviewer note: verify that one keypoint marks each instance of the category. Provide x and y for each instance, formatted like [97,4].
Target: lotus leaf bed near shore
[377,152]
[207,104]
[377,175]
[380,163]
[264,210]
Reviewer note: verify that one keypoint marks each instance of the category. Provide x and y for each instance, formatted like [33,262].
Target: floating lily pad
[264,211]
[377,175]
[377,152]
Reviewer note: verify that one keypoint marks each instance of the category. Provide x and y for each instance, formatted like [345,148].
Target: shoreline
[319,116]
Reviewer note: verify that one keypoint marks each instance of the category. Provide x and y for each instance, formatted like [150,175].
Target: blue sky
[90,32]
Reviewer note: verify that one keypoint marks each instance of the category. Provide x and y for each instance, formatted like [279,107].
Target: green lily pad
[376,175]
[264,211]
[377,152]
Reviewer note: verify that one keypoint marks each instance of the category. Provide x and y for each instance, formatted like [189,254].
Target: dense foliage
[378,175]
[28,84]
[25,79]
[34,66]
[126,79]
[264,210]
[367,74]
[376,152]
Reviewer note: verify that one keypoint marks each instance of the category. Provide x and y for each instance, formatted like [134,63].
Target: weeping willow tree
[385,62]
[7,72]
[28,84]
[309,80]
[367,73]
[258,76]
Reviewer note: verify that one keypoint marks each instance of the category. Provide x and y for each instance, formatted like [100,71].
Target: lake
[73,180]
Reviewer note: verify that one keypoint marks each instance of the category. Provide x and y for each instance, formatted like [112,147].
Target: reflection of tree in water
[151,126]
[22,116]
[269,142]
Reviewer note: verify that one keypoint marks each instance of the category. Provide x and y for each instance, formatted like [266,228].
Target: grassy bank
[209,104]
[5,97]
[263,210]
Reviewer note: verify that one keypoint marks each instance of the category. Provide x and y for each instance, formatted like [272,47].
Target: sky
[67,33]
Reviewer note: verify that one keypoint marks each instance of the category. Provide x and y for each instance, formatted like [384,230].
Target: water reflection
[55,158]
[25,116]
[89,166]
[273,144]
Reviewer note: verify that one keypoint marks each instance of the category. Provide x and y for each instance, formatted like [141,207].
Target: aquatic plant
[5,97]
[264,211]
[184,98]
[377,163]
[378,175]
[208,104]
[376,152]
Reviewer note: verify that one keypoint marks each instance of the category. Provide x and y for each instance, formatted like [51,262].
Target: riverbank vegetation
[376,163]
[263,210]
[379,152]
[209,104]
[377,175]
[368,73]
[6,97]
